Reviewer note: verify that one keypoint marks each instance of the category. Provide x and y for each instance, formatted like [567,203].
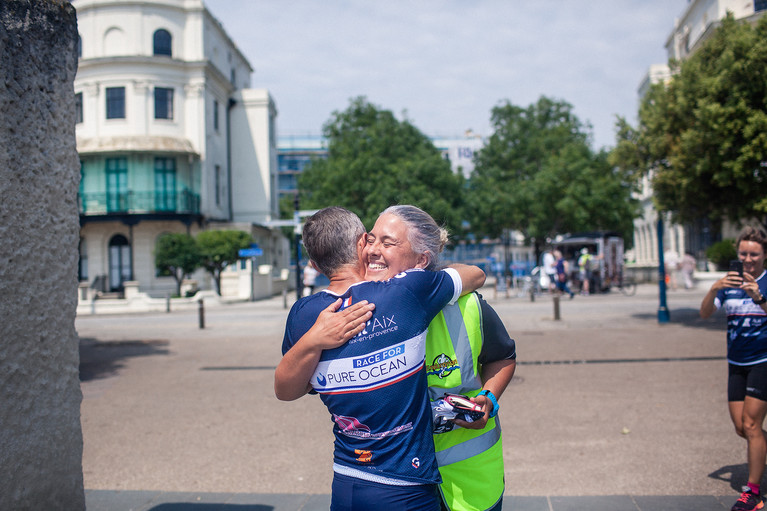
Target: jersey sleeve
[294,328]
[719,299]
[457,283]
[432,289]
[496,342]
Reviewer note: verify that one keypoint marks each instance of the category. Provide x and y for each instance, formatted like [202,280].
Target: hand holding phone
[737,266]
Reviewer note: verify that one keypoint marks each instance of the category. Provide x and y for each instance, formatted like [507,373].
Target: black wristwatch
[761,300]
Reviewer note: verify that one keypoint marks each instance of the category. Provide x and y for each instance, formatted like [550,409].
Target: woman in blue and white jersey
[744,298]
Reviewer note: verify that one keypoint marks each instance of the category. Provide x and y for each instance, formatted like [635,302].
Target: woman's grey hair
[330,238]
[424,235]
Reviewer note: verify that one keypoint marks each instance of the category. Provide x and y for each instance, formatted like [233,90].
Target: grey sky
[448,62]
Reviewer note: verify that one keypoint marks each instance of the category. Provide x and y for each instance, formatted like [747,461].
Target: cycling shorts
[353,494]
[745,381]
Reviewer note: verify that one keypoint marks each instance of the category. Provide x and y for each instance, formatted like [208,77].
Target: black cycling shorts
[747,381]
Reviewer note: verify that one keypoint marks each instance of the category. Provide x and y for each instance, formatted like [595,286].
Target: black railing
[101,203]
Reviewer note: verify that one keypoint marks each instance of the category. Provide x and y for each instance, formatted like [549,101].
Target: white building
[171,139]
[698,21]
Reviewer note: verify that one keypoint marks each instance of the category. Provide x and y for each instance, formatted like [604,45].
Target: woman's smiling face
[388,250]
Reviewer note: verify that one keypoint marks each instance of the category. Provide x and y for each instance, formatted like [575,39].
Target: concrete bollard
[555,299]
[201,313]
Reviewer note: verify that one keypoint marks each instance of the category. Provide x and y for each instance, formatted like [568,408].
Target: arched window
[162,42]
[119,262]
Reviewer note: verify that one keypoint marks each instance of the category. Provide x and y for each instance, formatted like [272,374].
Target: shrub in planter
[721,253]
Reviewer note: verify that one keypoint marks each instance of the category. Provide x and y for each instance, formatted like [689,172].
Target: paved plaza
[608,410]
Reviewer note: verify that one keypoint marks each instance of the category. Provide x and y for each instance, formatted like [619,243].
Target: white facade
[170,137]
[696,24]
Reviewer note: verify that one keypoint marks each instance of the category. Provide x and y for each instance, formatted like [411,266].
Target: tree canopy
[177,254]
[537,174]
[219,249]
[703,136]
[375,161]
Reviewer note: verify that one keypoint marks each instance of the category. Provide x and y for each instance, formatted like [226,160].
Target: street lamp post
[663,314]
[297,231]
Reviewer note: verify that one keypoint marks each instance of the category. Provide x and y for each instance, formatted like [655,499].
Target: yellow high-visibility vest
[470,460]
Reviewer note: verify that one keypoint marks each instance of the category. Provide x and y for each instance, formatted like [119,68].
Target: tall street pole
[663,315]
[297,221]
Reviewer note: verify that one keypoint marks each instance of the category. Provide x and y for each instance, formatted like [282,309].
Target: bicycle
[628,286]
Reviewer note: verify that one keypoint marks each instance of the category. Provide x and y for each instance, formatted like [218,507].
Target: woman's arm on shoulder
[472,277]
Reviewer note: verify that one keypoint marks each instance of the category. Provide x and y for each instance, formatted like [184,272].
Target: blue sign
[250,252]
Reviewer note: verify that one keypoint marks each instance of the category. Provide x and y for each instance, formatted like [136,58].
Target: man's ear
[311,263]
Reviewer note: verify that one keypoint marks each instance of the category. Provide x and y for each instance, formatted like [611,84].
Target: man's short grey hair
[330,238]
[424,235]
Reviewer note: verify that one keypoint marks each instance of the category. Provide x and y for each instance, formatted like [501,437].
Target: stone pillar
[40,434]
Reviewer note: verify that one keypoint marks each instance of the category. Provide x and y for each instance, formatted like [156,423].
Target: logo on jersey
[351,426]
[416,463]
[369,371]
[442,366]
[347,424]
[363,456]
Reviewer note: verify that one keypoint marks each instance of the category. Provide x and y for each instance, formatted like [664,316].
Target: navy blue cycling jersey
[375,385]
[746,328]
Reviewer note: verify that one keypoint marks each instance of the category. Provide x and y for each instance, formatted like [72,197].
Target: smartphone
[737,265]
[463,405]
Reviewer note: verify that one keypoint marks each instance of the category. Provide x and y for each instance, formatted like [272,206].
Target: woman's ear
[422,261]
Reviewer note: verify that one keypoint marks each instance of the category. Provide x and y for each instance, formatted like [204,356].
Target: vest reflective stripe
[469,448]
[462,348]
[470,460]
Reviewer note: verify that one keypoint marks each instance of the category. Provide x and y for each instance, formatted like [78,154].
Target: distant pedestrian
[584,270]
[550,269]
[563,270]
[671,263]
[744,298]
[310,278]
[687,268]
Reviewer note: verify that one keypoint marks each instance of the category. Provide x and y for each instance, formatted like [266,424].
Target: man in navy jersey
[374,385]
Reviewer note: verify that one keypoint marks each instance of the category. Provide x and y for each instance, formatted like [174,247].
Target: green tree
[178,255]
[219,249]
[375,161]
[703,136]
[537,174]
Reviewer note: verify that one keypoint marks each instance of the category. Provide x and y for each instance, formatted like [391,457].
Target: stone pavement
[608,410]
[111,500]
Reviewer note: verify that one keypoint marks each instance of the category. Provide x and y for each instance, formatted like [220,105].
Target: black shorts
[352,494]
[747,381]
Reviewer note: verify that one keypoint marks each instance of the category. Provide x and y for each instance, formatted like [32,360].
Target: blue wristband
[492,399]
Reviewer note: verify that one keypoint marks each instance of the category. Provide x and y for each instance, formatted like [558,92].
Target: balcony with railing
[134,202]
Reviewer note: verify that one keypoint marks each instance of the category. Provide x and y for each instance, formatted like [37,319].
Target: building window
[218,185]
[233,76]
[119,262]
[162,42]
[760,5]
[82,269]
[165,184]
[78,107]
[215,114]
[115,102]
[117,184]
[163,103]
